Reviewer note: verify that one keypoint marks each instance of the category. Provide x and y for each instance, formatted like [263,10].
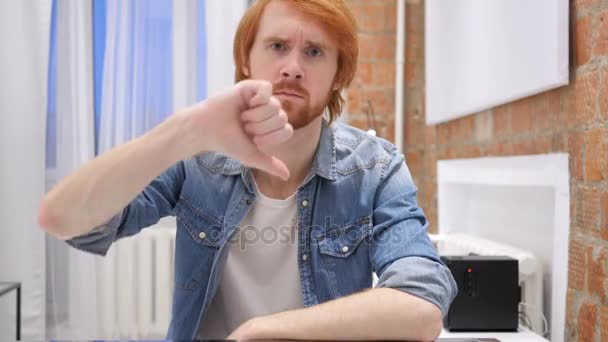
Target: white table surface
[523,335]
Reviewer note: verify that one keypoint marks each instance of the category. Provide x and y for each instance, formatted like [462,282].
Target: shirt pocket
[199,236]
[344,257]
[204,228]
[342,242]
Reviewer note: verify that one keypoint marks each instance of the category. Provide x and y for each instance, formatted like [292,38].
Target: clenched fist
[240,123]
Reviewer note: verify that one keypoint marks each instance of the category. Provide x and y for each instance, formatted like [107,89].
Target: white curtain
[24,36]
[71,274]
[222,19]
[137,81]
[185,58]
[219,20]
[137,94]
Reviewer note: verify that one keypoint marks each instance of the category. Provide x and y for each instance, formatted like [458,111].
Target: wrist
[187,137]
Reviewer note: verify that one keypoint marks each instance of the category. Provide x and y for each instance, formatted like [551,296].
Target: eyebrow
[308,42]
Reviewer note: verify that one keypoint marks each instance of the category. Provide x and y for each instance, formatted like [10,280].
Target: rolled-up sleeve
[402,253]
[156,201]
[99,240]
[422,278]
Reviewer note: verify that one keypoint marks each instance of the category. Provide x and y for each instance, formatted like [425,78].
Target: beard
[300,112]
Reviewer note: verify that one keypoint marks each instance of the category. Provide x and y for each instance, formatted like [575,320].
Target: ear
[337,84]
[245,70]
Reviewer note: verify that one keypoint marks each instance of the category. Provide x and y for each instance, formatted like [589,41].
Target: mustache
[290,87]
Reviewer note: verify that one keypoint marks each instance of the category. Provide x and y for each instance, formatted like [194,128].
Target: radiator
[530,268]
[136,284]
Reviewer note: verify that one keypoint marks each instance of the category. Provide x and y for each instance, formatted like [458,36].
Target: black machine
[488,293]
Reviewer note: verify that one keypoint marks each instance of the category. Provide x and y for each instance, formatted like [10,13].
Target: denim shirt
[357,214]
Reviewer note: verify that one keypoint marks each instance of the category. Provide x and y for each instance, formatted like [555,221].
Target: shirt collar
[324,162]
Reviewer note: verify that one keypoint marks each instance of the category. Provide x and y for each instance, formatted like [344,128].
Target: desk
[5,288]
[523,335]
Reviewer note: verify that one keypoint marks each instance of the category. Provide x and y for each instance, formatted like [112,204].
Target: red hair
[337,20]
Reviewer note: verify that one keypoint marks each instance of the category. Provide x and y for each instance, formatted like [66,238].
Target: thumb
[270,164]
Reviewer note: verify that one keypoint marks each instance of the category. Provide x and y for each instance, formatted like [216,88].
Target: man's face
[293,52]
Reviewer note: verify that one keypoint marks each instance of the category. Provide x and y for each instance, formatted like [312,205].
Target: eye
[314,52]
[278,46]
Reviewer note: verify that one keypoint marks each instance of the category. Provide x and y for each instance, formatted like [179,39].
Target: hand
[241,123]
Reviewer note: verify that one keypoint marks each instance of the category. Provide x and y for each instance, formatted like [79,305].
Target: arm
[102,187]
[401,251]
[376,314]
[98,190]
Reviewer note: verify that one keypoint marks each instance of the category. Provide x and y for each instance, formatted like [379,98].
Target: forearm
[376,314]
[102,187]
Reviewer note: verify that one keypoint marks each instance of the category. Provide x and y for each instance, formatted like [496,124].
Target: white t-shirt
[261,274]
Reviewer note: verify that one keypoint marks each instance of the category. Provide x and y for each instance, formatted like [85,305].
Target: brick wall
[572,119]
[375,79]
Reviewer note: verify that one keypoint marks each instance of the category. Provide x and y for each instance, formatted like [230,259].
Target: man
[260,158]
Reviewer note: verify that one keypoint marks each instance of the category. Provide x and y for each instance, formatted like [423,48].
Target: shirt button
[345,249]
[305,257]
[305,203]
[202,235]
[248,202]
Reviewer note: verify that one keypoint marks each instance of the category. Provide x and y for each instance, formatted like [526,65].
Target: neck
[298,155]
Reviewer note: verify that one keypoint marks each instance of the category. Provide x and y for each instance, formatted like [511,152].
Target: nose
[292,69]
